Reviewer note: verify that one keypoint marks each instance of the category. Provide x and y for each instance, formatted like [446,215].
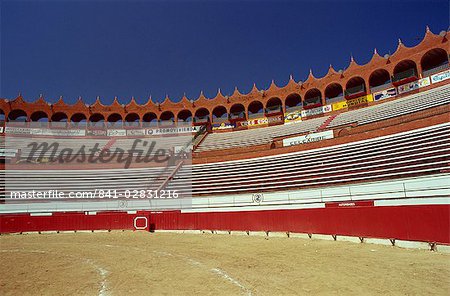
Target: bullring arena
[333,185]
[120,263]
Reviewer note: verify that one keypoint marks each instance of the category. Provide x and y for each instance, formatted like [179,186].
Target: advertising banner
[136,132]
[116,133]
[261,121]
[222,126]
[358,101]
[327,108]
[96,132]
[339,105]
[440,76]
[17,130]
[312,112]
[309,138]
[294,116]
[385,94]
[58,132]
[172,130]
[414,85]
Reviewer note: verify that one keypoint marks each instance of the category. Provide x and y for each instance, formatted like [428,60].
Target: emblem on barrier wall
[123,204]
[257,198]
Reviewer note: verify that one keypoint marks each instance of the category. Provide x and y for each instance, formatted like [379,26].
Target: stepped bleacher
[217,141]
[419,152]
[426,151]
[403,106]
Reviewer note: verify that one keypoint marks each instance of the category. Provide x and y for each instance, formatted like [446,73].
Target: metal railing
[201,118]
[237,115]
[435,70]
[335,99]
[381,87]
[256,115]
[355,90]
[404,75]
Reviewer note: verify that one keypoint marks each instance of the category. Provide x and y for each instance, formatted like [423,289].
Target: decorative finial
[400,41]
[427,29]
[61,97]
[375,51]
[290,77]
[351,58]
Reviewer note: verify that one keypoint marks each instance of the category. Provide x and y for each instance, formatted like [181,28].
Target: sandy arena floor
[140,263]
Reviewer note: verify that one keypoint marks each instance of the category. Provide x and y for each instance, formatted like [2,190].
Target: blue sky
[142,48]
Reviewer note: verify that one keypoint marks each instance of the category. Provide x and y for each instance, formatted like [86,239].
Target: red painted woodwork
[428,223]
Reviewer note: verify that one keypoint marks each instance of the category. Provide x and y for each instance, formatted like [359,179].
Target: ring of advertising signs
[110,132]
[45,131]
[440,76]
[414,85]
[308,138]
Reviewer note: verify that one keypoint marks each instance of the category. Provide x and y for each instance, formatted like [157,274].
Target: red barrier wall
[430,223]
[14,223]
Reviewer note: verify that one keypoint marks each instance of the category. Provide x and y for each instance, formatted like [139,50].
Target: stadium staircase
[109,144]
[327,122]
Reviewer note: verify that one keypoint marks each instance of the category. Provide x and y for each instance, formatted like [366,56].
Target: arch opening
[334,93]
[39,116]
[18,117]
[379,80]
[150,119]
[313,98]
[96,120]
[355,87]
[404,72]
[220,114]
[115,120]
[274,106]
[59,119]
[2,116]
[201,116]
[132,120]
[78,120]
[434,61]
[237,111]
[184,116]
[293,102]
[167,118]
[255,109]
